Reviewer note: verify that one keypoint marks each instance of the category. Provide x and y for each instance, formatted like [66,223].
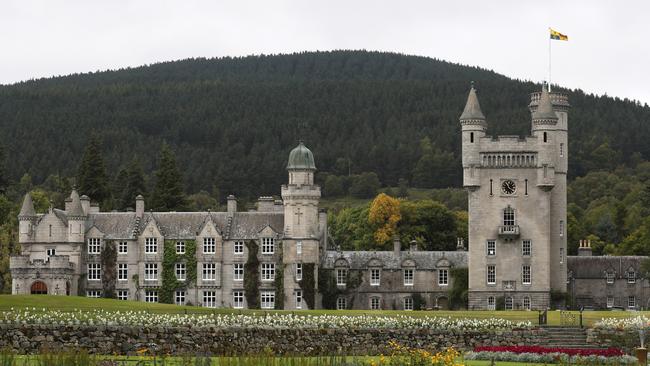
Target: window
[375,303]
[408,303]
[123,247]
[525,275]
[209,299]
[239,247]
[268,271]
[491,303]
[298,271]
[561,255]
[443,277]
[526,248]
[94,245]
[471,137]
[610,301]
[508,303]
[341,303]
[209,246]
[561,227]
[610,277]
[93,293]
[491,247]
[561,149]
[631,277]
[209,271]
[526,303]
[491,275]
[50,252]
[341,277]
[94,271]
[181,271]
[375,277]
[490,187]
[151,271]
[151,245]
[526,187]
[151,296]
[238,271]
[179,297]
[268,245]
[298,295]
[508,216]
[545,137]
[238,299]
[268,299]
[408,277]
[122,294]
[299,247]
[180,247]
[631,302]
[122,272]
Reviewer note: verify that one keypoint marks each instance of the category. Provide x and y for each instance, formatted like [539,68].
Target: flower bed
[275,320]
[608,352]
[635,323]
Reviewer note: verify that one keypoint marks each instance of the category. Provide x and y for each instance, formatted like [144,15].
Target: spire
[75,206]
[472,109]
[27,210]
[544,109]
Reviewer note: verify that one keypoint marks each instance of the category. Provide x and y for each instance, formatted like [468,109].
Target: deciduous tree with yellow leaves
[384,215]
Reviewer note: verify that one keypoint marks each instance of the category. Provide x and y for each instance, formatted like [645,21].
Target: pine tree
[134,184]
[91,177]
[168,194]
[3,173]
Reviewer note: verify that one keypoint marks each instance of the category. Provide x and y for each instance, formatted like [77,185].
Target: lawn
[69,303]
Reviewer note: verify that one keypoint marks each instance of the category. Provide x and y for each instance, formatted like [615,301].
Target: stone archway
[38,288]
[443,303]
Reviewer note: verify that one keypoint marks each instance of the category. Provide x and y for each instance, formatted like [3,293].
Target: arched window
[508,216]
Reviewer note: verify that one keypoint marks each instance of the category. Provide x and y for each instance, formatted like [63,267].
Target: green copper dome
[301,158]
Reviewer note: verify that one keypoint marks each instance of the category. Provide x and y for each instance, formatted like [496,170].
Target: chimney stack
[397,245]
[85,204]
[232,204]
[414,246]
[584,249]
[265,204]
[139,206]
[460,244]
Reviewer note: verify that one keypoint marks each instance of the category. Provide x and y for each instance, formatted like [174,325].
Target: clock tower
[517,206]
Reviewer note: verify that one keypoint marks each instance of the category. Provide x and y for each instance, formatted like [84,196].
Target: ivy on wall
[169,282]
[459,288]
[108,260]
[330,291]
[279,285]
[308,284]
[419,303]
[252,276]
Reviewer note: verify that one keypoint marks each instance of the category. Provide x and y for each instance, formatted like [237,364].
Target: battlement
[559,100]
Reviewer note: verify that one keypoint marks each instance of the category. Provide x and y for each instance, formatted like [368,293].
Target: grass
[69,303]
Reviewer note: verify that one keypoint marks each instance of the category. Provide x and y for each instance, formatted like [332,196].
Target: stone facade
[517,214]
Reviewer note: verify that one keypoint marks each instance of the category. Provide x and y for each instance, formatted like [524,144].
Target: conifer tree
[168,194]
[3,174]
[91,177]
[134,184]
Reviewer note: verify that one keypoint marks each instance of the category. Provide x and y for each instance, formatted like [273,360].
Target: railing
[506,159]
[509,230]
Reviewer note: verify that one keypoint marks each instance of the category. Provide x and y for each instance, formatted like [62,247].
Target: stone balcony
[509,231]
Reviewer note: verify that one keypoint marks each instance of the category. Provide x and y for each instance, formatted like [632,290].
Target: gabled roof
[247,225]
[422,259]
[114,225]
[596,266]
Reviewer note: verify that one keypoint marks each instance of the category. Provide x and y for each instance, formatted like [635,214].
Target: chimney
[414,246]
[265,204]
[460,244]
[232,204]
[584,249]
[278,206]
[322,225]
[68,204]
[397,246]
[139,206]
[85,204]
[94,208]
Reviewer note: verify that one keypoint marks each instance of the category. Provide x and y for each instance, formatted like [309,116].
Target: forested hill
[232,121]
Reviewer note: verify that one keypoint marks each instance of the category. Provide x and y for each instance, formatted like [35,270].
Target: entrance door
[443,303]
[39,288]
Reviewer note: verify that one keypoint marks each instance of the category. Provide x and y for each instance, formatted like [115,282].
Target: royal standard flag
[558,36]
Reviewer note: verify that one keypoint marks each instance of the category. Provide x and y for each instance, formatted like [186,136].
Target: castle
[273,257]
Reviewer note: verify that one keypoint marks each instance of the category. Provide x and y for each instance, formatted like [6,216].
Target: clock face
[508,187]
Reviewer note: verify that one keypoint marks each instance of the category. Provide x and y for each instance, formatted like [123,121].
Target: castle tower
[301,225]
[26,218]
[517,206]
[76,218]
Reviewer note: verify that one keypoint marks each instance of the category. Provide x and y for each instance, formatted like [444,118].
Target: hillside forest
[186,134]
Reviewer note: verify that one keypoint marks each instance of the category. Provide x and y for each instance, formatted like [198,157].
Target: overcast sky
[608,49]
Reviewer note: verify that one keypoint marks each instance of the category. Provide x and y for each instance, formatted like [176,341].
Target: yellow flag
[558,36]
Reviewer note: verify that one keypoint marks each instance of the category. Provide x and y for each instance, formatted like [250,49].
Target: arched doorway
[67,288]
[38,288]
[443,303]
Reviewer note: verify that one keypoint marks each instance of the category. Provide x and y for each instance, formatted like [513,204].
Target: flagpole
[549,60]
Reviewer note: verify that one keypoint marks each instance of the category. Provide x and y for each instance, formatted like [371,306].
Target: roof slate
[596,266]
[423,259]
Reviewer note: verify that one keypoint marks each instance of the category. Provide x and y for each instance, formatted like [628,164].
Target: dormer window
[268,246]
[610,277]
[209,245]
[631,276]
[151,245]
[94,245]
[375,277]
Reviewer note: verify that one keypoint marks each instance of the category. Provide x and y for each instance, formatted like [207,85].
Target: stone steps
[566,337]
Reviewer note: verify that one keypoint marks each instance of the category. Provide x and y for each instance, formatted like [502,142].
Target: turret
[474,126]
[26,219]
[301,165]
[301,196]
[76,218]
